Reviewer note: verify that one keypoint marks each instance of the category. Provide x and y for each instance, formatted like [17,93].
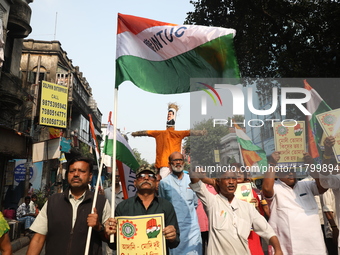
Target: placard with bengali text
[141,235]
[330,123]
[290,140]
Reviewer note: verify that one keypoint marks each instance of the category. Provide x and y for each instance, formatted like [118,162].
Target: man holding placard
[143,204]
[294,211]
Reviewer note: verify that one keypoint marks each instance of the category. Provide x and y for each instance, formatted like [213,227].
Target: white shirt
[333,182]
[230,223]
[40,223]
[118,198]
[32,207]
[295,218]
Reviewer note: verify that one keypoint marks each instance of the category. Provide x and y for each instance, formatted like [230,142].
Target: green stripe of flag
[123,153]
[214,59]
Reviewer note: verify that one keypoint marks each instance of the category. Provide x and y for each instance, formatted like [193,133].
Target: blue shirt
[184,200]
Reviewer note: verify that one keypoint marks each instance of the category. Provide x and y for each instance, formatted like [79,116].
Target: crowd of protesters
[202,215]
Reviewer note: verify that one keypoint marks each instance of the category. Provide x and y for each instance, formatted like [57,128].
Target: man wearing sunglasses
[146,202]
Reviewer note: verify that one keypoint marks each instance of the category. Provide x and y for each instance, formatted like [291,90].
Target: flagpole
[89,232]
[241,156]
[114,153]
[95,196]
[238,144]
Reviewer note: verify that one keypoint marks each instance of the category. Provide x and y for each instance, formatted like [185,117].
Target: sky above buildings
[87,32]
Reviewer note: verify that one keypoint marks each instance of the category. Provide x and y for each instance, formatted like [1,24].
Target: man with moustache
[64,219]
[294,212]
[175,188]
[230,219]
[146,202]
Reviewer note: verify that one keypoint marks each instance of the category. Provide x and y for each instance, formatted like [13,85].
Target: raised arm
[269,177]
[309,160]
[195,176]
[328,155]
[327,179]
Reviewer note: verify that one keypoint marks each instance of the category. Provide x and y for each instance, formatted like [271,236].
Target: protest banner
[141,234]
[290,140]
[330,123]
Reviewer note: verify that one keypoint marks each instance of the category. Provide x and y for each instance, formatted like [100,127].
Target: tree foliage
[278,38]
[139,158]
[201,148]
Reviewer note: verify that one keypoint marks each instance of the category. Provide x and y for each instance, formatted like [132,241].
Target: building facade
[47,61]
[15,142]
[24,64]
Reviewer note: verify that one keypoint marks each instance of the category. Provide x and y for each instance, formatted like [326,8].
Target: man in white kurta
[295,218]
[230,219]
[331,178]
[294,212]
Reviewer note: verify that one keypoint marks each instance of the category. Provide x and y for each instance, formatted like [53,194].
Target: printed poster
[290,140]
[141,235]
[244,192]
[35,173]
[330,123]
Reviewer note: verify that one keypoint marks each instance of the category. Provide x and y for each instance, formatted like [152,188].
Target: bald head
[175,154]
[176,161]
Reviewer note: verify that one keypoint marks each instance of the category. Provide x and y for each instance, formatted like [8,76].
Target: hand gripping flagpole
[98,183]
[89,232]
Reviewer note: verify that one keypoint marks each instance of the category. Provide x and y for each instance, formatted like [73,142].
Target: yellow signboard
[53,105]
[330,123]
[141,235]
[290,140]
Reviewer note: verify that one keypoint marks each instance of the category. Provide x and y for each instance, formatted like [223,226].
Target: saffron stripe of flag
[93,134]
[315,106]
[161,57]
[127,177]
[252,154]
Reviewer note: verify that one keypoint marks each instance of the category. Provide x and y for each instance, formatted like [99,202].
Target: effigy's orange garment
[167,142]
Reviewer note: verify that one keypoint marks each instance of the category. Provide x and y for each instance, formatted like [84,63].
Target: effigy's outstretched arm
[140,133]
[198,132]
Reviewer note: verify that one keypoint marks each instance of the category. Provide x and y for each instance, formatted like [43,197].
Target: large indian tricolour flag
[315,106]
[161,57]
